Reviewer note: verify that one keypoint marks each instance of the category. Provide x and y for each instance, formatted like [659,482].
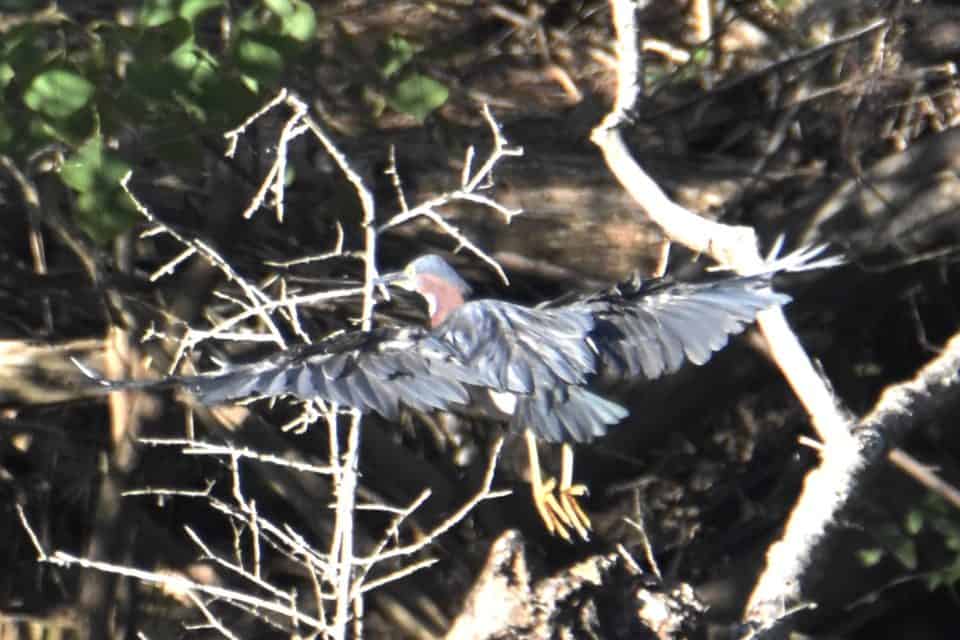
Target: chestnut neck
[442,298]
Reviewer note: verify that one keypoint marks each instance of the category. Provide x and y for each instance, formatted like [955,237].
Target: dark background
[779,121]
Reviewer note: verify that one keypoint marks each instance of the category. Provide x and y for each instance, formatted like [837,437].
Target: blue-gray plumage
[550,354]
[547,357]
[536,368]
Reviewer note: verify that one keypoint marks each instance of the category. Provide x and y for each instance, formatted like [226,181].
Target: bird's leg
[569,493]
[552,514]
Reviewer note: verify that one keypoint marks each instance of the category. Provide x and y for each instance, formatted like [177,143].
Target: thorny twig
[257,299]
[339,576]
[469,185]
[170,583]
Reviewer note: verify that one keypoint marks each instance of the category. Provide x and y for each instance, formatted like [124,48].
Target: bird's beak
[400,279]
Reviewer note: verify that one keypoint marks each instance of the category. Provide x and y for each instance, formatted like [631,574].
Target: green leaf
[248,20]
[102,208]
[914,521]
[228,100]
[155,81]
[258,59]
[205,70]
[157,12]
[301,25]
[945,525]
[185,59]
[77,127]
[79,172]
[191,9]
[90,167]
[58,93]
[906,553]
[936,504]
[417,95]
[160,40]
[394,54]
[104,215]
[282,8]
[870,557]
[946,576]
[250,82]
[16,37]
[115,36]
[6,74]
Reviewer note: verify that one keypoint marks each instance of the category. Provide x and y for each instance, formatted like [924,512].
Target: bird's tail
[120,385]
[564,413]
[211,388]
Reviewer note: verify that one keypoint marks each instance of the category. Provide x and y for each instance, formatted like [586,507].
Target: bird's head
[436,281]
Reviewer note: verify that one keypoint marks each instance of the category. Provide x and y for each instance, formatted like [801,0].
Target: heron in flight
[535,368]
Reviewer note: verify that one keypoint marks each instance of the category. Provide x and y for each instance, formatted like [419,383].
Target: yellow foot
[560,511]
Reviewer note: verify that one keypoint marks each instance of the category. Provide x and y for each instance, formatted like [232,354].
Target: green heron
[532,367]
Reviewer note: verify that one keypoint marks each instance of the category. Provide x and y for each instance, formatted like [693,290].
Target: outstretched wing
[547,355]
[370,371]
[649,329]
[519,349]
[641,330]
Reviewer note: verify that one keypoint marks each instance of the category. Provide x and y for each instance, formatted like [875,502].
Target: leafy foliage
[933,518]
[417,95]
[408,90]
[58,93]
[81,86]
[103,209]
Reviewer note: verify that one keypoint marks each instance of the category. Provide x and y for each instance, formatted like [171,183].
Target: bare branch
[827,486]
[735,247]
[169,583]
[470,184]
[200,448]
[339,577]
[925,475]
[256,297]
[484,493]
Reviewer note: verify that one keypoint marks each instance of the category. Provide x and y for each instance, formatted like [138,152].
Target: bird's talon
[574,512]
[578,490]
[551,513]
[560,511]
[556,500]
[557,510]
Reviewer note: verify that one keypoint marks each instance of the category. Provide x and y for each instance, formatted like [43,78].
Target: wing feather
[371,371]
[519,349]
[650,330]
[563,413]
[546,355]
